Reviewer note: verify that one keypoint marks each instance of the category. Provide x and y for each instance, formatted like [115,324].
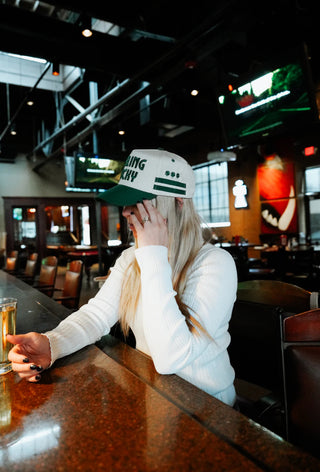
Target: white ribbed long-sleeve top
[159,327]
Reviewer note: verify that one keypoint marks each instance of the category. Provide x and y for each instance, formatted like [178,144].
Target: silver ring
[145,219]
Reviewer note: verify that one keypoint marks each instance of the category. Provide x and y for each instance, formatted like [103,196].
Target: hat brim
[121,195]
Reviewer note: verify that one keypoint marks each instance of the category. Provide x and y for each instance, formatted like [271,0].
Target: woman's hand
[151,227]
[30,355]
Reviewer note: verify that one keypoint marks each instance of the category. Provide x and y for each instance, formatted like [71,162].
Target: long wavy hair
[185,240]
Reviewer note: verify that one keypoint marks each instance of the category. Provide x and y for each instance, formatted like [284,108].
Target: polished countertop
[35,311]
[106,408]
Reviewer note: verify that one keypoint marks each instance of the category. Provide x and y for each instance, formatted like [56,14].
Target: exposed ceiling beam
[16,113]
[174,56]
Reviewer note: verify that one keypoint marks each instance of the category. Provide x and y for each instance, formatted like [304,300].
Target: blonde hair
[185,240]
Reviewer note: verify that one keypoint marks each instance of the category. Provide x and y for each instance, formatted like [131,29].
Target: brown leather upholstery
[47,275]
[11,264]
[255,349]
[46,279]
[302,327]
[71,289]
[34,256]
[301,367]
[76,266]
[50,261]
[29,273]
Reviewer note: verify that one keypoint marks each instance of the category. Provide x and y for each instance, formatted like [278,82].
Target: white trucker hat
[148,173]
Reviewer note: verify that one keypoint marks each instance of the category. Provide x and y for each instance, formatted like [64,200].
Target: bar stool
[70,294]
[12,262]
[47,276]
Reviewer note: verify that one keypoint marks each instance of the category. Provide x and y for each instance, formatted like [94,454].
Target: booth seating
[255,354]
[255,348]
[300,336]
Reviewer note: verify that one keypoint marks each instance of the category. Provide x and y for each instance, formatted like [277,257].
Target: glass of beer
[5,401]
[8,314]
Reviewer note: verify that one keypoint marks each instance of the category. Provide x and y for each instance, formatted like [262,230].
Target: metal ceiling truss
[174,56]
[144,67]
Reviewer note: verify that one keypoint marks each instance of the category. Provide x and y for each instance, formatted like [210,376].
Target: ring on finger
[145,219]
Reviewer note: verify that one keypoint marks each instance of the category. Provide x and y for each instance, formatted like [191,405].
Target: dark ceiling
[170,45]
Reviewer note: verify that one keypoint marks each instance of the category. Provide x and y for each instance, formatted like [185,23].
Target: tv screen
[276,99]
[96,172]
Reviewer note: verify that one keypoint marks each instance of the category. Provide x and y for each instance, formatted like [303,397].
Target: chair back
[301,372]
[300,261]
[47,279]
[255,347]
[34,256]
[290,297]
[50,261]
[71,290]
[47,275]
[11,264]
[30,270]
[76,266]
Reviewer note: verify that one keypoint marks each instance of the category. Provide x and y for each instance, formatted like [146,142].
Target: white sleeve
[92,320]
[210,293]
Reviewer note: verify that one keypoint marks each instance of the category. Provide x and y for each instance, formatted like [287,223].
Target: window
[211,196]
[24,226]
[312,190]
[314,216]
[312,180]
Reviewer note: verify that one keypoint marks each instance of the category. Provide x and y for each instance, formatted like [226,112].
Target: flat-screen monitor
[277,98]
[93,171]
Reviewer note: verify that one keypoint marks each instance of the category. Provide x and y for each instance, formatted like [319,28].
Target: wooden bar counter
[106,408]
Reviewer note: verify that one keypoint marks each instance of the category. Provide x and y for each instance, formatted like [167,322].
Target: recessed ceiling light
[86,32]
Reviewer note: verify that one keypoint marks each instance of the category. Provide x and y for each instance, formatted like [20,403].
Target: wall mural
[277,195]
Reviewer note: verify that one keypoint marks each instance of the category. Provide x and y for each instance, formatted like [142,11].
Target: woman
[173,290]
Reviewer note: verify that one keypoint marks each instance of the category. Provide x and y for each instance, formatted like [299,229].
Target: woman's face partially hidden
[127,212]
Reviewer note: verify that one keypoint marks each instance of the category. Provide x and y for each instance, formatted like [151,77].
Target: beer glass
[8,314]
